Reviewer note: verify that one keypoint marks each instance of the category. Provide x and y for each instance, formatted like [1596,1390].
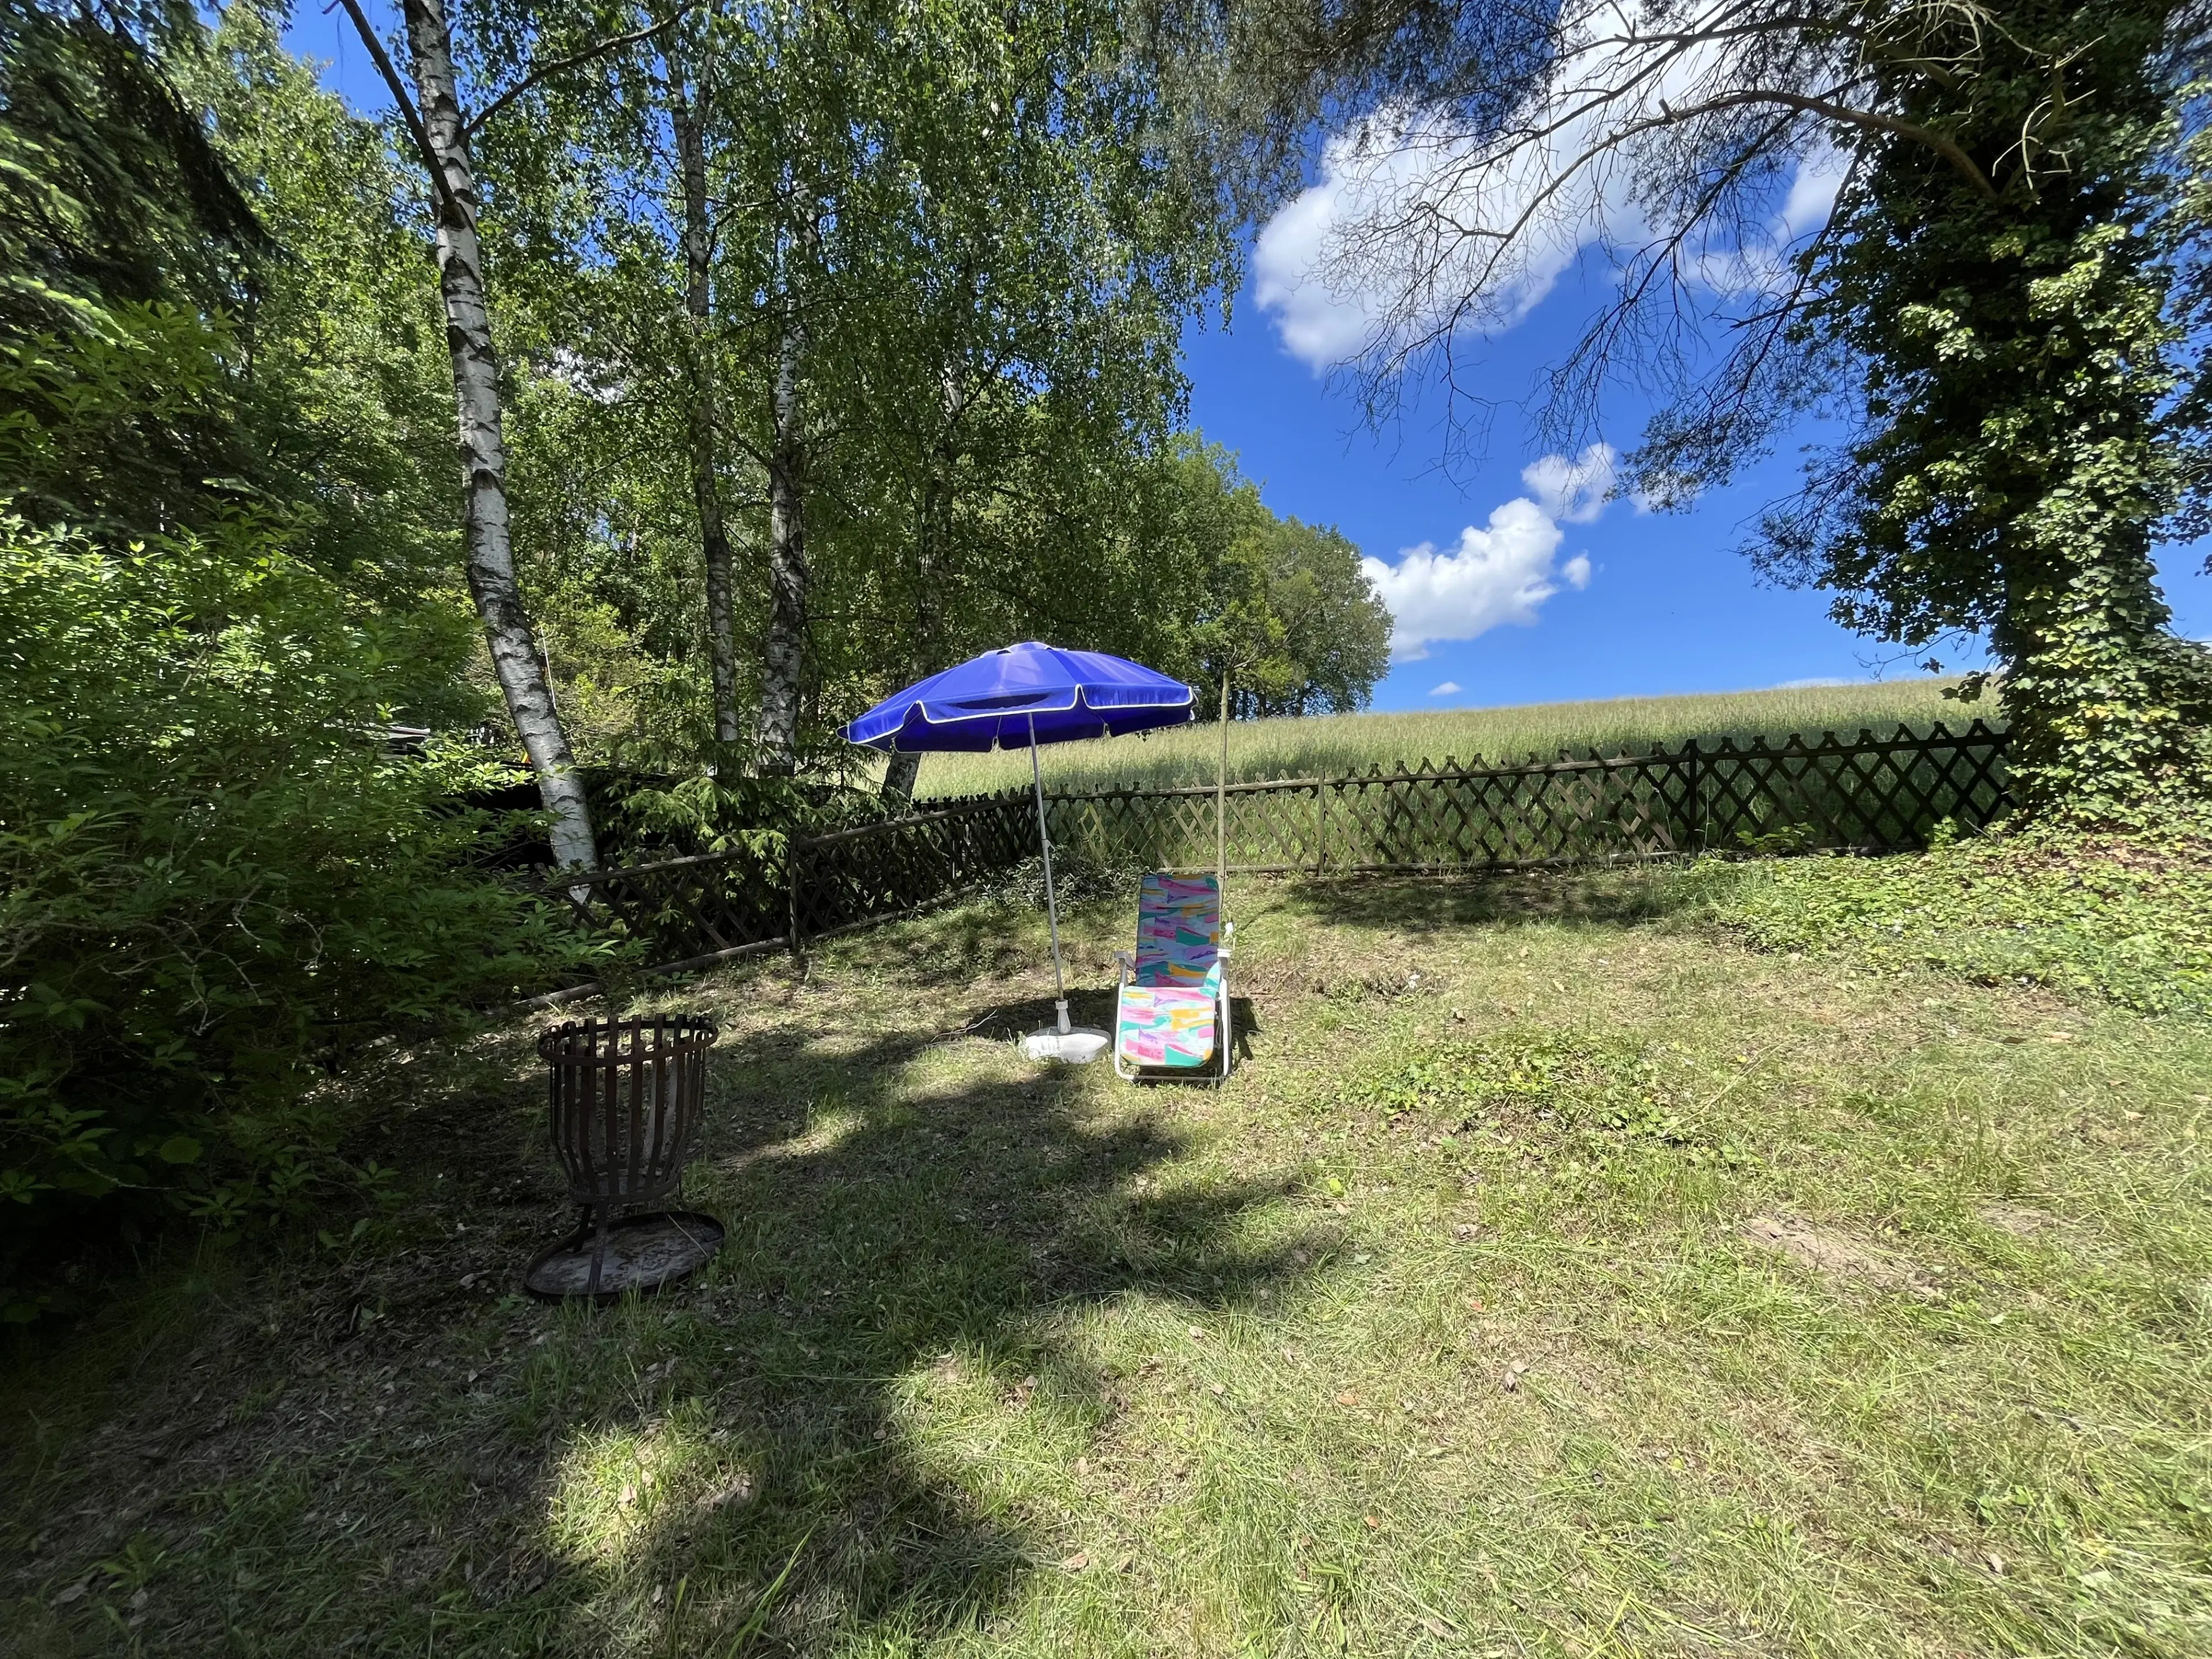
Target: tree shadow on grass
[1428,904]
[835,1438]
[910,1238]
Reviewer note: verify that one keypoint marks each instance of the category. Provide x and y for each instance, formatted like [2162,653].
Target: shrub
[216,879]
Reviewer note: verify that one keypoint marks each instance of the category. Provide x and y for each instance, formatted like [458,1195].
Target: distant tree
[1285,610]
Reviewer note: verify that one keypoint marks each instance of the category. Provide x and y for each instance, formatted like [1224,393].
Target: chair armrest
[1128,965]
[1228,940]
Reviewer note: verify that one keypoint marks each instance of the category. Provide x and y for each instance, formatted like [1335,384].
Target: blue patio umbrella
[1017,698]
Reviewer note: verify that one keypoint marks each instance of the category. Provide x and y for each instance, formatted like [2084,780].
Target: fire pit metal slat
[627,1104]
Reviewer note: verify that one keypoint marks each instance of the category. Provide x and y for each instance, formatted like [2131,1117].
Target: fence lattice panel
[1869,792]
[867,874]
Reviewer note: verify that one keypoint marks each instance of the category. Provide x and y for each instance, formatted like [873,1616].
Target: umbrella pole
[1221,799]
[1051,903]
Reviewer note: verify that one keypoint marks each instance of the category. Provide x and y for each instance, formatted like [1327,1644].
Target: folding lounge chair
[1171,1011]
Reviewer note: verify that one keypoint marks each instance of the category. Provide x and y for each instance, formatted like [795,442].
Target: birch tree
[442,134]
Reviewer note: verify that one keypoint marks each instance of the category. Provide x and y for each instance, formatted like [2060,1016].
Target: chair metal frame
[1225,1043]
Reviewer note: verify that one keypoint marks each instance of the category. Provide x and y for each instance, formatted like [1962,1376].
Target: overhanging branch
[1870,120]
[447,200]
[545,72]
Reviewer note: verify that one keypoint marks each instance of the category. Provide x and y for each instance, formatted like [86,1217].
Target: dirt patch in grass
[1829,1251]
[2019,1219]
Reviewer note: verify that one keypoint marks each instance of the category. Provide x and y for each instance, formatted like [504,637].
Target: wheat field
[1336,745]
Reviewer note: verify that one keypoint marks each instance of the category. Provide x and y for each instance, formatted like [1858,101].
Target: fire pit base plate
[644,1252]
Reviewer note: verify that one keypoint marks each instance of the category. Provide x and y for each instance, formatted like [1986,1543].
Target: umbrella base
[1077,1046]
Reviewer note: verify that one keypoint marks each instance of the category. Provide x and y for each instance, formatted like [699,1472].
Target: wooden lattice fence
[1870,793]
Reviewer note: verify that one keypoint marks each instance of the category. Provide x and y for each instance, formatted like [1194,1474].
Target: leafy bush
[216,879]
[2124,920]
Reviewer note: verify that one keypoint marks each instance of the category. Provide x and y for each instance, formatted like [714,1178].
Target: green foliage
[727,812]
[1591,1091]
[1283,607]
[2123,920]
[991,262]
[109,189]
[220,882]
[218,589]
[2020,447]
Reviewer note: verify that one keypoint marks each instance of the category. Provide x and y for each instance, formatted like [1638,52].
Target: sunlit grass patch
[614,1487]
[2117,920]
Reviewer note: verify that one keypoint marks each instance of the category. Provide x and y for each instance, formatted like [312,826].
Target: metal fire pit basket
[628,1105]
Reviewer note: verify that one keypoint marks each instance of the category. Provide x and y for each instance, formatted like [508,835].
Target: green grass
[1845,1313]
[2127,922]
[1337,745]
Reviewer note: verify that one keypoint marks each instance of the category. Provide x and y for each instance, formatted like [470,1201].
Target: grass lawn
[1336,745]
[1559,1275]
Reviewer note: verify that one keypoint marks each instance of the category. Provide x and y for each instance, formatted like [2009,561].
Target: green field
[1562,1275]
[1333,745]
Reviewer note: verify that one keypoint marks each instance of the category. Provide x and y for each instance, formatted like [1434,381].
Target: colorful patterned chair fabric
[1173,1008]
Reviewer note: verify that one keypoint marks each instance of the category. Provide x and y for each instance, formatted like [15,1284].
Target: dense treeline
[798,352]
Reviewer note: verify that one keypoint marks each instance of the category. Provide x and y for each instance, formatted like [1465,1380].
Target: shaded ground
[1558,1277]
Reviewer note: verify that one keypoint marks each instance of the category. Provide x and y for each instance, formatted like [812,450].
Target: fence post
[1320,825]
[1696,838]
[798,937]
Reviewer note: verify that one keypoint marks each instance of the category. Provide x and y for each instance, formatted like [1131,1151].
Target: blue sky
[1669,604]
[1625,604]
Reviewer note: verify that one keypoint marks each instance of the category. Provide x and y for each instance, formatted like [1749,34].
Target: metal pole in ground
[1051,903]
[1221,798]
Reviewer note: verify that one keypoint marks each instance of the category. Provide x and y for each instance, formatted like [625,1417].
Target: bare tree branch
[545,72]
[1872,120]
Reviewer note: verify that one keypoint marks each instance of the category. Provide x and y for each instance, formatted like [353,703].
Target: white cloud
[1500,573]
[1573,492]
[1814,683]
[1408,231]
[1448,689]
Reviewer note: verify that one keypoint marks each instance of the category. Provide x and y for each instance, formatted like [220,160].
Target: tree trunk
[483,446]
[899,776]
[783,653]
[2109,709]
[899,779]
[689,121]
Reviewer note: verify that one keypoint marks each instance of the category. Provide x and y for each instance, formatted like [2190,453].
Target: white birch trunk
[483,446]
[689,121]
[783,651]
[901,774]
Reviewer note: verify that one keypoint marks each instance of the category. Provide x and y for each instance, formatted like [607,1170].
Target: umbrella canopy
[1017,698]
[1025,694]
